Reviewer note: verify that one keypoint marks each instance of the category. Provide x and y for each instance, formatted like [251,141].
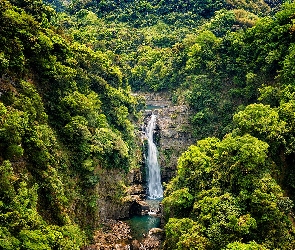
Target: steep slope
[237,192]
[65,123]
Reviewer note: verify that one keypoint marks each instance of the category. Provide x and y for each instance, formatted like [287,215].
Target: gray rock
[156,233]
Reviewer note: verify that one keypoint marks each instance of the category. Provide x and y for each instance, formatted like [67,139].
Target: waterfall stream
[155,188]
[141,224]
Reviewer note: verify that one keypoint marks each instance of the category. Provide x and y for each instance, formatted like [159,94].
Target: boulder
[156,233]
[154,240]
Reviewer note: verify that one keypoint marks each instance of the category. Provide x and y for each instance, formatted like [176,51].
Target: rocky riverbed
[117,235]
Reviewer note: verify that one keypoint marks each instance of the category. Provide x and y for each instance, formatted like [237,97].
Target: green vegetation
[232,191]
[226,190]
[67,113]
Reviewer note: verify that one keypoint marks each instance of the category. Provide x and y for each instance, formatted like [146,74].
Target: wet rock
[154,240]
[148,112]
[135,245]
[144,207]
[156,233]
[135,209]
[136,190]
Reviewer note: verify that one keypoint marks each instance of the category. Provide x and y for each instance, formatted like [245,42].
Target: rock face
[154,240]
[175,138]
[110,190]
[112,235]
[120,196]
[173,135]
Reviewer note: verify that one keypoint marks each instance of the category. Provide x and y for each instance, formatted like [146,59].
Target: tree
[234,197]
[263,122]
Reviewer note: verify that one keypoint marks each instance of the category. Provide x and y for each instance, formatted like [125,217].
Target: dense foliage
[225,193]
[231,193]
[197,50]
[66,113]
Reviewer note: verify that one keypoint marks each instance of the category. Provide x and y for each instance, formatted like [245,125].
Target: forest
[68,117]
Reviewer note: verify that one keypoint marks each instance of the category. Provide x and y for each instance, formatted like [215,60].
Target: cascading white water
[155,188]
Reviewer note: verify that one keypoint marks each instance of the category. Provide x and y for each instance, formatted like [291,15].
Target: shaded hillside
[149,12]
[65,119]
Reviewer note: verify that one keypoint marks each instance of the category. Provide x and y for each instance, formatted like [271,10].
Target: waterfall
[155,189]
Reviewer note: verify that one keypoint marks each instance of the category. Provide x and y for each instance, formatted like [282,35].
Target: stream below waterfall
[141,224]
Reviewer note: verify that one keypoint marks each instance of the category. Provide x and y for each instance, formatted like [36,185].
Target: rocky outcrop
[120,196]
[112,235]
[153,241]
[112,201]
[175,138]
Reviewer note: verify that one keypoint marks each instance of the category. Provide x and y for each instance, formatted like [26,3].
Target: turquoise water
[152,107]
[141,224]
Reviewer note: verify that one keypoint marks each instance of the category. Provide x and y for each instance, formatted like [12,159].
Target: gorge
[213,84]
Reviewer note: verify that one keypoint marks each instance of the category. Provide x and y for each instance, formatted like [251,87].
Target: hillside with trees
[67,117]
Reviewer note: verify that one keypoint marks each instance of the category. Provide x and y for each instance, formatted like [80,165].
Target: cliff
[173,135]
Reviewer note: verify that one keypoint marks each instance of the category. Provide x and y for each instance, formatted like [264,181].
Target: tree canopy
[67,114]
